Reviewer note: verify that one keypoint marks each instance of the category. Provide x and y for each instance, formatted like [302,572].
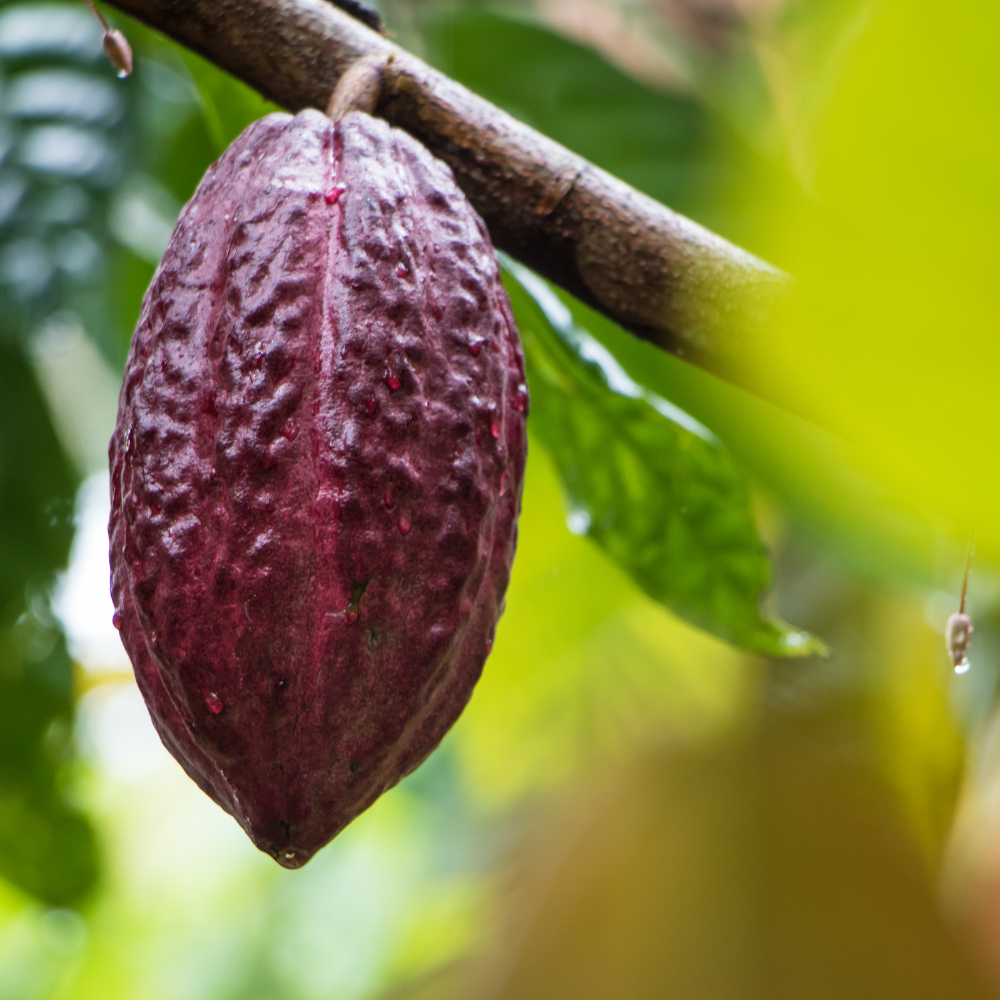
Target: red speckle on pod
[116,620]
[391,380]
[404,525]
[388,499]
[504,476]
[475,347]
[214,703]
[371,405]
[401,270]
[333,195]
[495,429]
[289,431]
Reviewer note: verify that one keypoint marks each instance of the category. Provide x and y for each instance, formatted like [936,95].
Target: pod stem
[360,88]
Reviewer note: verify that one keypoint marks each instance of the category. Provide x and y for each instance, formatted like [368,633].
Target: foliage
[665,499]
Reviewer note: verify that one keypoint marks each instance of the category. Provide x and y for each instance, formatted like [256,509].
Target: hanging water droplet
[116,620]
[963,667]
[400,270]
[214,703]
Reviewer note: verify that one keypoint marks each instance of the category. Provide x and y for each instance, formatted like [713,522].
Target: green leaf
[653,487]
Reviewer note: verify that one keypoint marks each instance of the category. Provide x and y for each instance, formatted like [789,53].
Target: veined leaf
[647,482]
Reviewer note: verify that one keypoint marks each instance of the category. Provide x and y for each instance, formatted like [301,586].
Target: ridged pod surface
[316,473]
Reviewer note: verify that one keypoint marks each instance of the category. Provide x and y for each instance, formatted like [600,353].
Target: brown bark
[663,277]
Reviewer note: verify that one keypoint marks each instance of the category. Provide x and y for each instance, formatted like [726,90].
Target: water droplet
[489,645]
[963,667]
[495,429]
[350,617]
[289,430]
[504,476]
[520,400]
[404,525]
[116,619]
[388,499]
[371,405]
[401,270]
[214,703]
[333,195]
[475,347]
[122,74]
[392,381]
[289,855]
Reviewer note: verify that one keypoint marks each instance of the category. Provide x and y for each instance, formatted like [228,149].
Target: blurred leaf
[648,483]
[890,335]
[765,867]
[46,847]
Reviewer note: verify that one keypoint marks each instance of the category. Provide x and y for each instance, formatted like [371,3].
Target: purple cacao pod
[316,473]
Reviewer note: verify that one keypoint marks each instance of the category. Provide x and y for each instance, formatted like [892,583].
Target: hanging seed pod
[315,482]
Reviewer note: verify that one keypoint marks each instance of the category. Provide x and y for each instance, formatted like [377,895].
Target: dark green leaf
[653,487]
[46,847]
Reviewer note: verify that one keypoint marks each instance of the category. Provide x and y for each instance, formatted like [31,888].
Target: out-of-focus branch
[663,277]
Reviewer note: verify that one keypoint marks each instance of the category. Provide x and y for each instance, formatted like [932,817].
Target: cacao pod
[316,473]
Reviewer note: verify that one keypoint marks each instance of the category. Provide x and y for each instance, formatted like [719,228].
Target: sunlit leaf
[652,486]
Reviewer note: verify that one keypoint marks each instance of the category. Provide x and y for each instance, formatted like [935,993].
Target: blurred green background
[647,796]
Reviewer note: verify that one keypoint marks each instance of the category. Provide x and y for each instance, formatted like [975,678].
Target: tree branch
[658,274]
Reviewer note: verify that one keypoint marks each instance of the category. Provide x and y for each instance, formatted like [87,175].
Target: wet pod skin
[316,473]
